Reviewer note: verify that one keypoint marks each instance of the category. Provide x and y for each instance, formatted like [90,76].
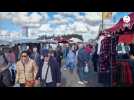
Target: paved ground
[71,79]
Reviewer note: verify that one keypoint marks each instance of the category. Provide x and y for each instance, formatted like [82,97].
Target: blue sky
[118,16]
[11,27]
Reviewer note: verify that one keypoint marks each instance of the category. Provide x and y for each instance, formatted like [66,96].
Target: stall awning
[126,38]
[120,25]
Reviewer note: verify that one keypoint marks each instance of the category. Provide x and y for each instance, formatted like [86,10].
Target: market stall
[116,39]
[62,40]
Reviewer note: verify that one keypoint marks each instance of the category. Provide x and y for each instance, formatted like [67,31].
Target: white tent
[75,40]
[48,41]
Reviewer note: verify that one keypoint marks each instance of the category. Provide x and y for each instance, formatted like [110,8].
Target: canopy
[48,41]
[120,25]
[126,38]
[62,40]
[75,40]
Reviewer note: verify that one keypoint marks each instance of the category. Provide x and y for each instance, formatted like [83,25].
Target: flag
[106,15]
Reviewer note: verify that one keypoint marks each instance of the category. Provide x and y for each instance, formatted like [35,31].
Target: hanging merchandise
[105,62]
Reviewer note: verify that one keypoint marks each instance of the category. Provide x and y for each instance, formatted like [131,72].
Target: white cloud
[35,17]
[22,18]
[4,34]
[15,35]
[68,14]
[6,15]
[80,18]
[40,24]
[79,27]
[45,17]
[58,20]
[45,28]
[61,29]
[94,16]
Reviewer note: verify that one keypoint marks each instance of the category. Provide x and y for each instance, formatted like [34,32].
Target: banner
[106,15]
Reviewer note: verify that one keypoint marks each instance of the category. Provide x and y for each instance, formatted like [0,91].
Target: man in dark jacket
[95,58]
[59,55]
[82,61]
[36,56]
[49,73]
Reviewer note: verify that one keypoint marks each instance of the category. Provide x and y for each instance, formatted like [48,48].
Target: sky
[57,23]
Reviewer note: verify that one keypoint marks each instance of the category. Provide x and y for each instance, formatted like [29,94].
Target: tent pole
[102,21]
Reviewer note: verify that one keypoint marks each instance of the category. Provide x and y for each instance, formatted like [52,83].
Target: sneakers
[86,82]
[80,82]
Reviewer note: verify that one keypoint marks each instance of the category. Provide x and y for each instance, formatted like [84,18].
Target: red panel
[126,38]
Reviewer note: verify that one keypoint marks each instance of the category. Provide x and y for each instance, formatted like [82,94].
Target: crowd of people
[42,67]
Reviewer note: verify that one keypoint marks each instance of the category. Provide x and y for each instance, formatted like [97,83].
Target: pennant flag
[106,15]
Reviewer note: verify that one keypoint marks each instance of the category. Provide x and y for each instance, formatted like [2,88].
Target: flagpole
[102,21]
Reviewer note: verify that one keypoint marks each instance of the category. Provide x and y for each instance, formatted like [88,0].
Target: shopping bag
[86,69]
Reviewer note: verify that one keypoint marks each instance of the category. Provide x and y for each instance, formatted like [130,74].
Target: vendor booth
[114,55]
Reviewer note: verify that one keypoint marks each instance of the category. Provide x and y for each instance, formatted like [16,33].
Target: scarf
[44,71]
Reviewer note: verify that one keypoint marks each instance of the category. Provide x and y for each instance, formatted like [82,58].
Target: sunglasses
[46,56]
[24,56]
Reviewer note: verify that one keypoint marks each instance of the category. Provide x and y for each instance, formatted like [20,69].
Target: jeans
[65,62]
[71,66]
[13,75]
[83,75]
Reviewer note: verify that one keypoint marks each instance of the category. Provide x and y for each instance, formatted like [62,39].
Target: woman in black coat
[55,71]
[5,75]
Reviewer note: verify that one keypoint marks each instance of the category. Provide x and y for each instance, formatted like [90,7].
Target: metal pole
[102,20]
